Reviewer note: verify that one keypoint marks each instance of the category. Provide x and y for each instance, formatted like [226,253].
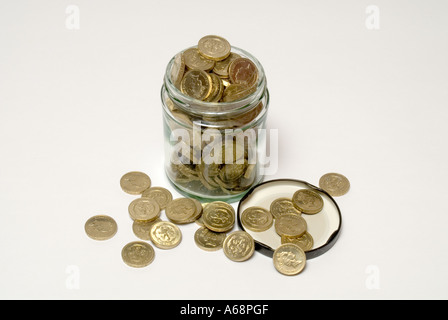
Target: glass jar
[215,150]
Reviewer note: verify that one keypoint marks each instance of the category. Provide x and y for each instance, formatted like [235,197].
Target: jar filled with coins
[215,101]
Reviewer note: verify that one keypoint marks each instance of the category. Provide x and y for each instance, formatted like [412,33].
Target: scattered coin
[308,201]
[305,242]
[144,209]
[256,219]
[138,254]
[182,211]
[142,228]
[165,235]
[239,246]
[283,206]
[335,184]
[208,240]
[219,216]
[135,182]
[289,259]
[161,195]
[290,225]
[101,227]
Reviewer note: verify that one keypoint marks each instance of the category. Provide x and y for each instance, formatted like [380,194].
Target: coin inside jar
[214,47]
[195,61]
[197,84]
[243,71]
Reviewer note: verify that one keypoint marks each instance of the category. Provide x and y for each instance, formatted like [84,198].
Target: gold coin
[305,242]
[308,201]
[289,259]
[144,209]
[236,92]
[197,84]
[138,254]
[161,195]
[101,227]
[243,71]
[335,184]
[165,235]
[217,89]
[222,67]
[239,246]
[214,47]
[178,70]
[135,182]
[219,216]
[182,210]
[283,206]
[290,225]
[256,219]
[195,61]
[208,240]
[142,228]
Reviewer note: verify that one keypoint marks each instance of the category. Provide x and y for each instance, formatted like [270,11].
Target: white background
[79,108]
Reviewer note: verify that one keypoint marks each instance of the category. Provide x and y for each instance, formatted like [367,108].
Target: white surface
[79,108]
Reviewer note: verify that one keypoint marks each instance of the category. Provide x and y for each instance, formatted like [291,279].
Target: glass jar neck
[217,110]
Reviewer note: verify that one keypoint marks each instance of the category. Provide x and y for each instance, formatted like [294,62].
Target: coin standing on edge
[335,184]
[239,246]
[135,182]
[101,227]
[138,254]
[308,201]
[289,259]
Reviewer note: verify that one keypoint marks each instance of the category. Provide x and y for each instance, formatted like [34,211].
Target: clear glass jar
[215,151]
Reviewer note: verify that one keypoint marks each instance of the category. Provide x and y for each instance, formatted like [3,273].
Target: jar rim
[216,109]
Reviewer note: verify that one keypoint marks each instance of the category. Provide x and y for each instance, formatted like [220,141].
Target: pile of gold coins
[216,219]
[212,73]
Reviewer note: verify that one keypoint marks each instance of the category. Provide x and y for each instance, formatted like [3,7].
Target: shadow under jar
[215,150]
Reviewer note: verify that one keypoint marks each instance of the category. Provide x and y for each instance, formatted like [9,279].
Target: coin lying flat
[239,246]
[101,227]
[165,235]
[182,211]
[256,219]
[161,195]
[135,182]
[219,216]
[283,206]
[308,201]
[144,209]
[290,225]
[335,184]
[289,259]
[197,84]
[214,47]
[208,240]
[142,228]
[306,241]
[195,61]
[138,254]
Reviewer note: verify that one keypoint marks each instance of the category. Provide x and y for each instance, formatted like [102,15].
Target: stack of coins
[211,72]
